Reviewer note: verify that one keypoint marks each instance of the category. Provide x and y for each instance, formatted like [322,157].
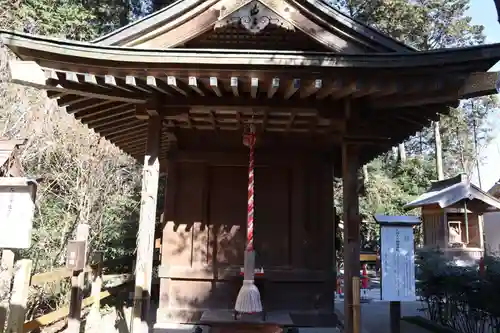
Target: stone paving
[375,315]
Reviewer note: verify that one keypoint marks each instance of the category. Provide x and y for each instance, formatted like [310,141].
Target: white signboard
[398,263]
[16,216]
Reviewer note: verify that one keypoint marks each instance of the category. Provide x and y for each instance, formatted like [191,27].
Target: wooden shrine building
[327,95]
[452,217]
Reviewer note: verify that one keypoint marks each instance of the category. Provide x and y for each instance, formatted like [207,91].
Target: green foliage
[424,24]
[390,181]
[69,19]
[459,297]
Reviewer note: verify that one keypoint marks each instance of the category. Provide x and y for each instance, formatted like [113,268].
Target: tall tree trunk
[402,152]
[476,152]
[439,151]
[395,153]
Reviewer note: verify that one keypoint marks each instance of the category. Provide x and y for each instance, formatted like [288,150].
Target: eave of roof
[449,192]
[495,190]
[334,18]
[360,27]
[486,55]
[124,34]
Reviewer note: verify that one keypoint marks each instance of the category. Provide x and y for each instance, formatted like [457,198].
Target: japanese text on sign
[16,215]
[398,263]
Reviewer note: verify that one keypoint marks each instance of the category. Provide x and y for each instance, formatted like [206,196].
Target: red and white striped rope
[250,212]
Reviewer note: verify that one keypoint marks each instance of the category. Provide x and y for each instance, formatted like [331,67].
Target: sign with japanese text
[398,263]
[16,214]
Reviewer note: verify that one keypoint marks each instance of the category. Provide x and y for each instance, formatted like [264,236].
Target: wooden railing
[23,281]
[118,270]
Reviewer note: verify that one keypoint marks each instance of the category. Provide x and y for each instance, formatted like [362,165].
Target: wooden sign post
[76,261]
[17,207]
[398,263]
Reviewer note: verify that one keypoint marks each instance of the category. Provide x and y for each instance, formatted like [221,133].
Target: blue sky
[483,12]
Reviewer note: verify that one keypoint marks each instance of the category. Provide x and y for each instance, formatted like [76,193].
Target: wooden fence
[23,281]
[99,270]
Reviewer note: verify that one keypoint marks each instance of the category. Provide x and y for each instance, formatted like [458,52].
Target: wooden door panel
[272,216]
[227,211]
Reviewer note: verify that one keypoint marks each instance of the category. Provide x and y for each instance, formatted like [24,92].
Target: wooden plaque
[17,209]
[76,255]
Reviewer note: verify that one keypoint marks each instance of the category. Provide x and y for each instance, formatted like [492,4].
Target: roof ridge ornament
[254,16]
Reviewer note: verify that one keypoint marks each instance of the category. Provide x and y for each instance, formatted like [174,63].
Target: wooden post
[350,165]
[94,317]
[77,285]
[439,151]
[356,306]
[147,219]
[19,296]
[395,316]
[8,258]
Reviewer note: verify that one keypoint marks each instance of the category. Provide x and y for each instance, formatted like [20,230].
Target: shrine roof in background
[453,192]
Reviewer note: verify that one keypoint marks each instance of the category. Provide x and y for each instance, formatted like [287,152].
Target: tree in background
[73,168]
[392,180]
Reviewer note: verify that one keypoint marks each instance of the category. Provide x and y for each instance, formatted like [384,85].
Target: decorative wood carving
[253,16]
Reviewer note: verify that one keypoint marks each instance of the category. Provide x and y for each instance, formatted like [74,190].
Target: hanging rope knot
[249,135]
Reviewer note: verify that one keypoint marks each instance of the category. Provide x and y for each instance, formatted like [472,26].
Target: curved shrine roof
[357,84]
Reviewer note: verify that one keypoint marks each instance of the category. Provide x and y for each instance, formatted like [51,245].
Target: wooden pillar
[168,216]
[7,266]
[147,219]
[350,165]
[19,296]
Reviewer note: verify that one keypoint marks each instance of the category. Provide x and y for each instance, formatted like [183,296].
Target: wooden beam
[87,105]
[214,84]
[333,40]
[157,85]
[234,86]
[111,118]
[97,112]
[175,32]
[127,139]
[67,100]
[292,88]
[29,73]
[147,219]
[347,90]
[137,132]
[350,166]
[311,89]
[172,83]
[144,112]
[113,123]
[139,146]
[450,97]
[55,94]
[273,88]
[254,87]
[131,126]
[193,84]
[329,89]
[473,85]
[135,83]
[367,89]
[229,102]
[117,83]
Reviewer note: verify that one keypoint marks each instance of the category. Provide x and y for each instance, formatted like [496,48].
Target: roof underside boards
[202,92]
[453,192]
[178,24]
